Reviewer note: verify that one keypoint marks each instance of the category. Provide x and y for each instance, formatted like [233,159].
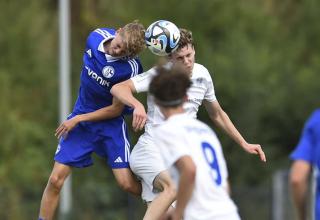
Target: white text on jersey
[99,79]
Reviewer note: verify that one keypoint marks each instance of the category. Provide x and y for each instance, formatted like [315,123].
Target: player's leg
[147,164]
[127,181]
[51,193]
[160,205]
[113,145]
[74,151]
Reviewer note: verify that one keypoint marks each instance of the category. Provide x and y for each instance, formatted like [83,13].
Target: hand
[139,118]
[66,126]
[255,149]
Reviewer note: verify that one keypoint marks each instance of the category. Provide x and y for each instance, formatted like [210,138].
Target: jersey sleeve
[141,81]
[97,37]
[305,150]
[172,145]
[210,93]
[139,66]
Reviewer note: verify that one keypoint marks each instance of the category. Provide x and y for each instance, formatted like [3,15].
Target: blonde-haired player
[145,161]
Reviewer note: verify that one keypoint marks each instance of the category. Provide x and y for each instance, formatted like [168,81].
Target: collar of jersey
[108,57]
[178,116]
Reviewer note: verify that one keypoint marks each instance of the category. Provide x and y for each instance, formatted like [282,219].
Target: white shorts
[230,216]
[146,162]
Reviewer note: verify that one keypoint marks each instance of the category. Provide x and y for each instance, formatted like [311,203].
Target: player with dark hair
[109,58]
[158,191]
[153,175]
[191,152]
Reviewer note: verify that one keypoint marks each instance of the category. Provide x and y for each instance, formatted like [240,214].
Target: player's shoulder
[100,35]
[200,71]
[172,125]
[314,118]
[104,32]
[185,123]
[199,125]
[316,112]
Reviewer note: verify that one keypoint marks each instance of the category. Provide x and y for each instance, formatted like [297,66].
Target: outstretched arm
[124,92]
[108,112]
[298,179]
[222,120]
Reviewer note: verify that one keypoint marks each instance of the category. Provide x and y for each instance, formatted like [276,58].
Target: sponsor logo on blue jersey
[98,78]
[108,71]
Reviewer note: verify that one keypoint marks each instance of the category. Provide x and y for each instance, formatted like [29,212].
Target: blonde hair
[133,37]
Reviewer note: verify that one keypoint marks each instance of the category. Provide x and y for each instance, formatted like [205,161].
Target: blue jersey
[100,72]
[107,138]
[308,149]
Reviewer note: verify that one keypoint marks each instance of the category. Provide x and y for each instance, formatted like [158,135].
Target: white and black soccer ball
[162,37]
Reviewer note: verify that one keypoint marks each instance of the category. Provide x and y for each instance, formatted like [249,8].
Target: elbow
[113,89]
[192,173]
[216,116]
[116,114]
[296,179]
[118,111]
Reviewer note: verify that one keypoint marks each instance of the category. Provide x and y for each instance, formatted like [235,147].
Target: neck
[106,46]
[168,112]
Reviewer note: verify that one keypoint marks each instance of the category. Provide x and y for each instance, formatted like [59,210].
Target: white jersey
[145,152]
[201,89]
[181,135]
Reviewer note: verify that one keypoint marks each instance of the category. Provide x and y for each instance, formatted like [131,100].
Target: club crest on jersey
[108,71]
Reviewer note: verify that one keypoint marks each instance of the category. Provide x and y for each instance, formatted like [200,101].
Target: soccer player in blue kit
[109,58]
[306,157]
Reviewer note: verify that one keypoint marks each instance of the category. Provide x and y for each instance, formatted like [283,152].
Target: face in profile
[117,47]
[185,56]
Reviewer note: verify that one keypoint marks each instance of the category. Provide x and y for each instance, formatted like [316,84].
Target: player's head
[129,40]
[185,53]
[169,87]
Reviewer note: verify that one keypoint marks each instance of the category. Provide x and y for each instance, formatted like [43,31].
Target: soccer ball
[162,37]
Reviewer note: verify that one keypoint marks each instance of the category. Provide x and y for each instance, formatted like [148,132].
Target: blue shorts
[108,139]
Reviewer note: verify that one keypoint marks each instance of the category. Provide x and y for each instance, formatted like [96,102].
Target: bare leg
[159,206]
[127,181]
[51,194]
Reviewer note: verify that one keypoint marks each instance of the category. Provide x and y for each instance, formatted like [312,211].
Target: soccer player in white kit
[145,160]
[192,153]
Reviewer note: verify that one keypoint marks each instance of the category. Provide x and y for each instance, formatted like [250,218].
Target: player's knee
[55,183]
[126,185]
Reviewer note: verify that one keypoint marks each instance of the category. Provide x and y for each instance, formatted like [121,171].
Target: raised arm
[108,112]
[124,92]
[222,120]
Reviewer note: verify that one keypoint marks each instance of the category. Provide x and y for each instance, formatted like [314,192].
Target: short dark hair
[170,85]
[185,38]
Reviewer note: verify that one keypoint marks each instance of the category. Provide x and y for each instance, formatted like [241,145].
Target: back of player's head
[169,87]
[186,38]
[133,36]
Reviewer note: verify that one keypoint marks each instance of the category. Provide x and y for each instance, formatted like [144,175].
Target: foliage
[263,56]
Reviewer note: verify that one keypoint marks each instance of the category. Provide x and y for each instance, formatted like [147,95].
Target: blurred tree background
[263,56]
